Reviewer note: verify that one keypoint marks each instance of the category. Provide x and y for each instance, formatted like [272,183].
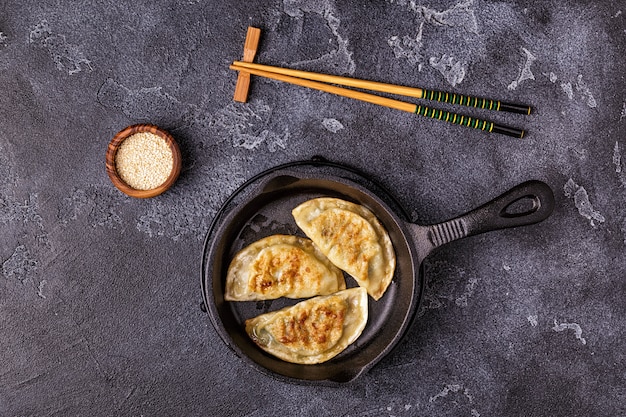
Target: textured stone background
[100,293]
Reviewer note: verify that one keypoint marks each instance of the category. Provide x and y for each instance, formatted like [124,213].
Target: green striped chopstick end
[477,102]
[454,118]
[462,100]
[468,121]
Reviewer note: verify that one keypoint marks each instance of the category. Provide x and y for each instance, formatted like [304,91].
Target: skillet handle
[508,210]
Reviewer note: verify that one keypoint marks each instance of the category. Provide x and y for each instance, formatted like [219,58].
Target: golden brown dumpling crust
[281,266]
[317,329]
[352,238]
[314,330]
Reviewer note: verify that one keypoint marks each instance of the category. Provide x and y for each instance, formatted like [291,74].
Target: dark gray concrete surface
[100,293]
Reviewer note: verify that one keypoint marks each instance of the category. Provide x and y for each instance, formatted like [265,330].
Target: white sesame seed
[144,161]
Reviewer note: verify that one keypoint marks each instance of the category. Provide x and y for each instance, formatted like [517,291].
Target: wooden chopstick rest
[249,51]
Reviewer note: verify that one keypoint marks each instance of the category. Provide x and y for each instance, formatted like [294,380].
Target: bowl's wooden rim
[114,146]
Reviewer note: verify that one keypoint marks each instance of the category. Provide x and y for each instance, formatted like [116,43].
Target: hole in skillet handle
[523,206]
[495,214]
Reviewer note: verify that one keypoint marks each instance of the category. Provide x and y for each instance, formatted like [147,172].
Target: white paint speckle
[466,392]
[460,15]
[460,23]
[66,56]
[617,158]
[339,59]
[40,288]
[149,103]
[20,264]
[408,47]
[525,73]
[456,389]
[469,291]
[567,87]
[99,204]
[570,326]
[332,125]
[582,203]
[582,87]
[579,86]
[445,391]
[506,267]
[533,320]
[452,69]
[247,124]
[623,113]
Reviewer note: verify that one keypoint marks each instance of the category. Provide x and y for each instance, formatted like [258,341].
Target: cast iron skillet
[262,207]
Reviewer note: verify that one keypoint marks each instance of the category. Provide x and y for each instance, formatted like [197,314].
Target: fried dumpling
[281,266]
[314,330]
[352,238]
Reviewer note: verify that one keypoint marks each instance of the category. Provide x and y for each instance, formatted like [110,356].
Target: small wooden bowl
[112,151]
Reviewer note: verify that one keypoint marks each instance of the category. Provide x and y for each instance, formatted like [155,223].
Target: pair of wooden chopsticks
[323,82]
